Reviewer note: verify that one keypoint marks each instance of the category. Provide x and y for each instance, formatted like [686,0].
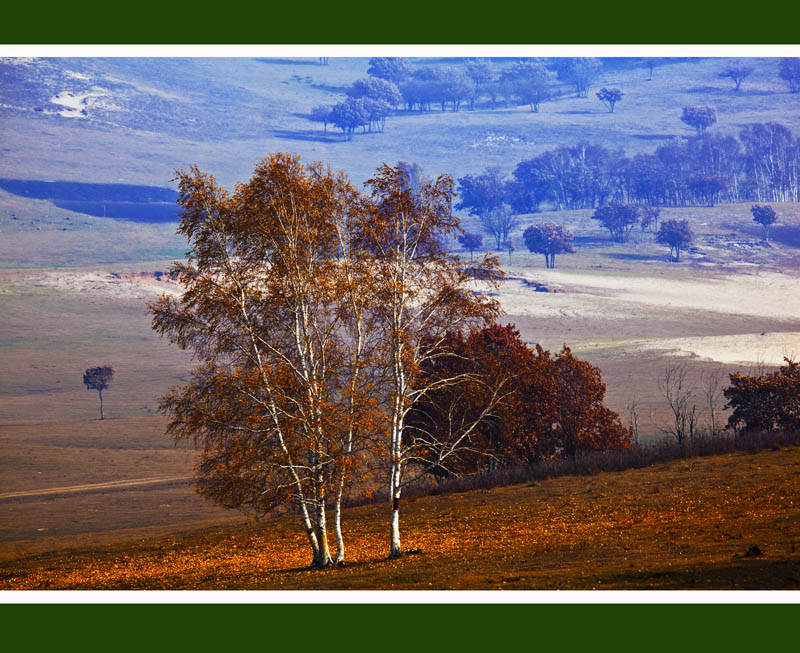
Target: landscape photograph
[458,318]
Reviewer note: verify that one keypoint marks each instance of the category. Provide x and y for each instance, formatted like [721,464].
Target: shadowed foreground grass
[687,524]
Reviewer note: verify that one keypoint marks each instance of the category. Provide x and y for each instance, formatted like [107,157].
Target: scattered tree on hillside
[610,97]
[470,242]
[393,69]
[650,64]
[675,234]
[275,312]
[548,238]
[508,245]
[580,71]
[322,114]
[499,223]
[765,216]
[737,72]
[699,117]
[551,405]
[789,72]
[765,402]
[421,292]
[649,219]
[619,219]
[98,378]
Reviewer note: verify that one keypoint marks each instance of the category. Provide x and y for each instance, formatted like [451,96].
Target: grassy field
[721,522]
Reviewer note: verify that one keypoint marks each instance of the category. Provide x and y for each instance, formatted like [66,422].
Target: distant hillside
[135,120]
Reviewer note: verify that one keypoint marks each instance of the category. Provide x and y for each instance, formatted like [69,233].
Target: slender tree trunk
[101,404]
[395,550]
[323,557]
[337,524]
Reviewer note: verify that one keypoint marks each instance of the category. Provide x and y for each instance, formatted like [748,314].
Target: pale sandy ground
[586,295]
[124,286]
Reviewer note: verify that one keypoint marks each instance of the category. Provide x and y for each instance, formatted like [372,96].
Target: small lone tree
[650,64]
[789,72]
[609,96]
[98,378]
[765,216]
[737,72]
[699,117]
[548,238]
[470,242]
[649,220]
[321,114]
[508,245]
[677,235]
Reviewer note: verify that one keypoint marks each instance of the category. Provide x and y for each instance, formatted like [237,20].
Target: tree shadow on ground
[741,573]
[654,137]
[630,256]
[309,136]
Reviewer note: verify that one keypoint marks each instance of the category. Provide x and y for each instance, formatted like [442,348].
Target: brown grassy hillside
[689,524]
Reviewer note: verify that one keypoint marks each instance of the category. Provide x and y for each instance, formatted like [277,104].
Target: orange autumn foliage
[551,405]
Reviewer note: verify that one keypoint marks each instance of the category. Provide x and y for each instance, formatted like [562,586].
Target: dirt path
[95,486]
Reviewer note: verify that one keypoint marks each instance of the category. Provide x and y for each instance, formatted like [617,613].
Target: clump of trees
[485,196]
[580,71]
[528,83]
[548,238]
[393,69]
[619,219]
[675,234]
[765,216]
[310,308]
[552,404]
[765,402]
[98,378]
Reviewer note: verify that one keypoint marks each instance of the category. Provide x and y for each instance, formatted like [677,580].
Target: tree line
[762,165]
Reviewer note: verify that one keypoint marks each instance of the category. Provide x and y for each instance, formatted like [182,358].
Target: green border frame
[389,628]
[102,626]
[410,21]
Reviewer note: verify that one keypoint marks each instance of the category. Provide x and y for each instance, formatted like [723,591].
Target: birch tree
[421,293]
[271,311]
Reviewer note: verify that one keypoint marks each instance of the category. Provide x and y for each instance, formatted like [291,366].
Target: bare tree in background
[712,389]
[98,378]
[679,395]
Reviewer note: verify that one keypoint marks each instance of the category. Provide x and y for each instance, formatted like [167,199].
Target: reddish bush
[769,402]
[551,404]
